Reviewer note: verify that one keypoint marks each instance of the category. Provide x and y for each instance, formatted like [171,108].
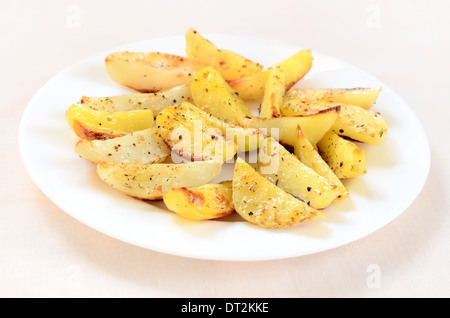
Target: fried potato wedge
[90,132]
[150,72]
[364,97]
[231,65]
[307,154]
[286,171]
[354,122]
[206,202]
[152,181]
[295,66]
[262,203]
[344,157]
[145,146]
[298,107]
[246,139]
[284,129]
[90,124]
[212,93]
[127,102]
[360,124]
[274,92]
[192,137]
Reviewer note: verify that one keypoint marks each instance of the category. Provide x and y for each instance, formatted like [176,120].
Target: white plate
[396,170]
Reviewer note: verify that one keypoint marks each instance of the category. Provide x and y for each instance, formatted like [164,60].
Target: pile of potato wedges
[190,115]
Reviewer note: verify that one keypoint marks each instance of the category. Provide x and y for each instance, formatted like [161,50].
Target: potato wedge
[262,203]
[364,97]
[274,92]
[286,171]
[307,154]
[211,93]
[296,67]
[152,181]
[91,124]
[206,202]
[230,64]
[284,129]
[246,139]
[145,146]
[150,72]
[90,132]
[298,107]
[344,157]
[192,137]
[360,124]
[354,122]
[126,102]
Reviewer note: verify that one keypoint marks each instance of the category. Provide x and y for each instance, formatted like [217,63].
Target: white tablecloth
[46,253]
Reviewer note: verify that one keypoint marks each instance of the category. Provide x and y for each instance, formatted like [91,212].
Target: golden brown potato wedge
[273,94]
[344,157]
[230,64]
[298,107]
[88,123]
[152,181]
[126,102]
[353,121]
[284,129]
[364,97]
[246,139]
[211,93]
[145,146]
[150,72]
[360,124]
[205,202]
[296,67]
[192,137]
[286,171]
[90,132]
[261,202]
[307,154]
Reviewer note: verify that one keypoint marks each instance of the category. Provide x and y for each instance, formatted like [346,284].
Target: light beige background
[46,253]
